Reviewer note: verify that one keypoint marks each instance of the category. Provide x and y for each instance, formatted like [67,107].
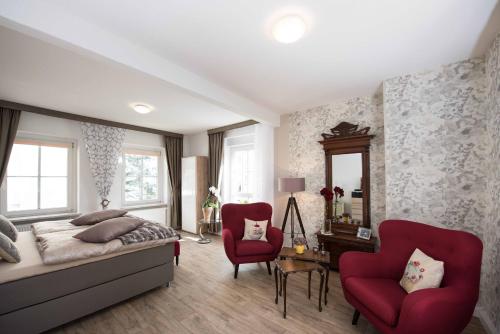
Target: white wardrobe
[194,191]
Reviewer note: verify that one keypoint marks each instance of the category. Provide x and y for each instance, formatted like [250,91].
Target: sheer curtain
[264,163]
[103,145]
[248,165]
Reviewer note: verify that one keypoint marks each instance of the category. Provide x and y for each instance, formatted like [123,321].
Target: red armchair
[249,251]
[371,281]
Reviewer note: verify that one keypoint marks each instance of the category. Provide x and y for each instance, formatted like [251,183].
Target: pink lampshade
[291,184]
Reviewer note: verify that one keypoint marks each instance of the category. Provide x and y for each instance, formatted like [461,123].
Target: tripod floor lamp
[292,185]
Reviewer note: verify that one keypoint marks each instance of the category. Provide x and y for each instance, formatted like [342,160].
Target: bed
[36,297]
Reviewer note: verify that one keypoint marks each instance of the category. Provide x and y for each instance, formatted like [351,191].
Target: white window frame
[248,136]
[161,166]
[71,185]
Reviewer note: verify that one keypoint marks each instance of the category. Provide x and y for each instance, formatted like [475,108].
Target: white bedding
[55,226]
[58,245]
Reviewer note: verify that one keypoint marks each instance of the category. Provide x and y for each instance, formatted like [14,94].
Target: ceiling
[218,56]
[41,74]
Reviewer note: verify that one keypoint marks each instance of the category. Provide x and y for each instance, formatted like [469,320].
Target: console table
[339,243]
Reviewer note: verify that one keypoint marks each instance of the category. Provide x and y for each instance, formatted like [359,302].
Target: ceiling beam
[51,23]
[232,126]
[80,118]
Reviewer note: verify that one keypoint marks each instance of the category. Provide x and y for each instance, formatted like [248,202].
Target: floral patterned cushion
[255,230]
[422,272]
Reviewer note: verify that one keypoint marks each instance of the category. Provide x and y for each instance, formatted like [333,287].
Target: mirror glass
[347,172]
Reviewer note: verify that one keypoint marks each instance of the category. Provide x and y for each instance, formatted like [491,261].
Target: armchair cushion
[255,230]
[422,272]
[253,247]
[383,297]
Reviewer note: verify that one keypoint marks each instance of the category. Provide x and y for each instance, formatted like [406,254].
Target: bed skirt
[39,303]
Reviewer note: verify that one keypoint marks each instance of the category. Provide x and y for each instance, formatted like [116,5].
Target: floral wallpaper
[103,145]
[490,298]
[435,124]
[307,155]
[435,158]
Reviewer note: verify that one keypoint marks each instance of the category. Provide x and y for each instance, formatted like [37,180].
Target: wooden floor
[204,298]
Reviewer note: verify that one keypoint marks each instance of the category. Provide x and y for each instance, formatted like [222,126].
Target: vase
[207,213]
[299,249]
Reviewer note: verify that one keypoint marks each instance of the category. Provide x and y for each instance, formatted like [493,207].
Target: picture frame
[364,233]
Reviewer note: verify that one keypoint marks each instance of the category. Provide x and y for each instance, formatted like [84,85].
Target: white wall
[87,198]
[281,158]
[195,145]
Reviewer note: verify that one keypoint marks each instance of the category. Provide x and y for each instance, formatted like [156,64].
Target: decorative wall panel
[490,297]
[307,157]
[435,146]
[103,145]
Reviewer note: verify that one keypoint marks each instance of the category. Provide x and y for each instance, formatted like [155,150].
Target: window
[40,178]
[142,177]
[239,167]
[242,174]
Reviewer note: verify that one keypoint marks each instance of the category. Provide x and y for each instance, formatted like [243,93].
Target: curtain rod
[80,118]
[232,126]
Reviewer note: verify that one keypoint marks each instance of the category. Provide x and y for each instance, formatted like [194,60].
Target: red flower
[327,194]
[416,263]
[338,191]
[422,270]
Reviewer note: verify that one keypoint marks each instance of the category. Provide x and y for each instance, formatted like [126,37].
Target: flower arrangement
[299,244]
[299,241]
[213,198]
[211,202]
[329,195]
[339,192]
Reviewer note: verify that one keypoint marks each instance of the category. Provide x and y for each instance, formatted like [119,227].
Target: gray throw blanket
[147,232]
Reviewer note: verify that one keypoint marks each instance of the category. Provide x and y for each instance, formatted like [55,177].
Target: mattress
[32,265]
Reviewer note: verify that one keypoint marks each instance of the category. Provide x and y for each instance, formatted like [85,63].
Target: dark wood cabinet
[339,243]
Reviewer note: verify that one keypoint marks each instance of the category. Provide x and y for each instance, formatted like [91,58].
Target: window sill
[145,207]
[35,219]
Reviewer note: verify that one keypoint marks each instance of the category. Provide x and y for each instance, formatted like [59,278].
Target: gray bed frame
[36,304]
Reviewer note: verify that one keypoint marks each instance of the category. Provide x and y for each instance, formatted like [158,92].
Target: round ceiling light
[289,29]
[142,108]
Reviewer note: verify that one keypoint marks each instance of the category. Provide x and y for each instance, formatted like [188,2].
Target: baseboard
[487,323]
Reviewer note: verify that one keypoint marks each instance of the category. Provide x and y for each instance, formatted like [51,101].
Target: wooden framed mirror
[347,165]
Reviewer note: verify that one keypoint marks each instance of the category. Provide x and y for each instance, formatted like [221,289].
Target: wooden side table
[286,267]
[309,256]
[339,243]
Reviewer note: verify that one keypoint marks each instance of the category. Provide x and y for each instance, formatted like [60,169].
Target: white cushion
[422,272]
[255,230]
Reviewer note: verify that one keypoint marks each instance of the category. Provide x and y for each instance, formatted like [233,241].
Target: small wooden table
[309,256]
[285,267]
[339,243]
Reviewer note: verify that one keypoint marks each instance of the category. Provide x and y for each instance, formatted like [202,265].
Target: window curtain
[9,120]
[264,163]
[103,145]
[215,152]
[173,147]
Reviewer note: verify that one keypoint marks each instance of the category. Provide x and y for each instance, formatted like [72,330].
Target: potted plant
[329,195]
[211,202]
[299,244]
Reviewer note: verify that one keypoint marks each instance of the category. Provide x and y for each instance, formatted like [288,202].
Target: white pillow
[255,230]
[422,272]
